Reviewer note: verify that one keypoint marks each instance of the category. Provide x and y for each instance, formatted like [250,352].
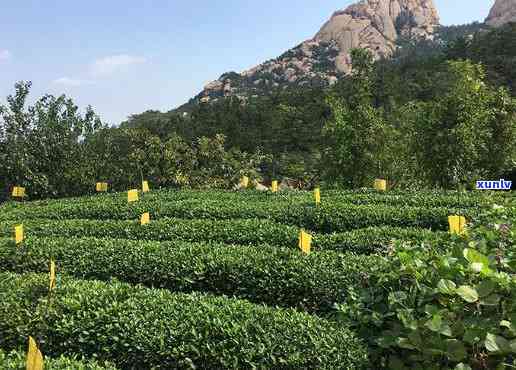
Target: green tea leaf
[468,293]
[492,300]
[478,261]
[473,256]
[463,366]
[472,335]
[496,343]
[431,309]
[505,324]
[477,267]
[455,350]
[436,324]
[405,343]
[485,288]
[446,287]
[415,339]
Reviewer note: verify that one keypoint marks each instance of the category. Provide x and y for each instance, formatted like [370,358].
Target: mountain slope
[503,12]
[371,24]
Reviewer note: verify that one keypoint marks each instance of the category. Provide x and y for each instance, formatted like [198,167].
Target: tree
[354,133]
[43,144]
[468,133]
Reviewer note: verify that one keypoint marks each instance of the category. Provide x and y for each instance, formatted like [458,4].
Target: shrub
[224,231]
[327,218]
[273,276]
[16,360]
[359,197]
[244,232]
[452,307]
[339,218]
[136,327]
[374,239]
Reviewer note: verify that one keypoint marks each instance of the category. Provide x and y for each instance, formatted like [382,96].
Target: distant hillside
[321,61]
[285,118]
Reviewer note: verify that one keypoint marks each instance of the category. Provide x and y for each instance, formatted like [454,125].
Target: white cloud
[5,54]
[71,82]
[111,64]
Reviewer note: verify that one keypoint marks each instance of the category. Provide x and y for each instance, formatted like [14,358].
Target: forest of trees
[437,114]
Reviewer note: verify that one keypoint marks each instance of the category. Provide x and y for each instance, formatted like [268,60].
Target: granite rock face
[503,11]
[376,25]
[372,24]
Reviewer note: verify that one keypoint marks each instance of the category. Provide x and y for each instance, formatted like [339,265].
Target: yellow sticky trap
[145,219]
[380,184]
[145,186]
[274,186]
[101,187]
[305,242]
[244,182]
[19,234]
[34,356]
[457,224]
[18,192]
[317,196]
[52,283]
[132,195]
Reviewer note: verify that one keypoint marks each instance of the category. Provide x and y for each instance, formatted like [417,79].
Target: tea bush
[140,328]
[236,231]
[327,218]
[16,360]
[274,276]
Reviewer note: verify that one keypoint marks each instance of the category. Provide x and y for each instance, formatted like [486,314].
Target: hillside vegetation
[438,114]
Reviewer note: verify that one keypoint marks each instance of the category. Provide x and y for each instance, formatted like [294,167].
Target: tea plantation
[217,280]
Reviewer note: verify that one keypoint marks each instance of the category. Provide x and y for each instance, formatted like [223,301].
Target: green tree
[466,134]
[43,144]
[354,133]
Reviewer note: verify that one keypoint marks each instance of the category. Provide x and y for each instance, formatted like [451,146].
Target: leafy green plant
[235,231]
[16,360]
[274,276]
[328,218]
[136,327]
[378,239]
[216,204]
[451,306]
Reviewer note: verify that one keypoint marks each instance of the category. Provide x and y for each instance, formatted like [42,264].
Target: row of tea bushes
[274,276]
[238,231]
[225,231]
[401,199]
[376,239]
[140,328]
[325,218]
[16,360]
[330,219]
[396,198]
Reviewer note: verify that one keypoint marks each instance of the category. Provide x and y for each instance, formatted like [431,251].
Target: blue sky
[124,59]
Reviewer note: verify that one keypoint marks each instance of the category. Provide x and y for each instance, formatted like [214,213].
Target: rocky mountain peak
[376,25]
[503,11]
[371,24]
